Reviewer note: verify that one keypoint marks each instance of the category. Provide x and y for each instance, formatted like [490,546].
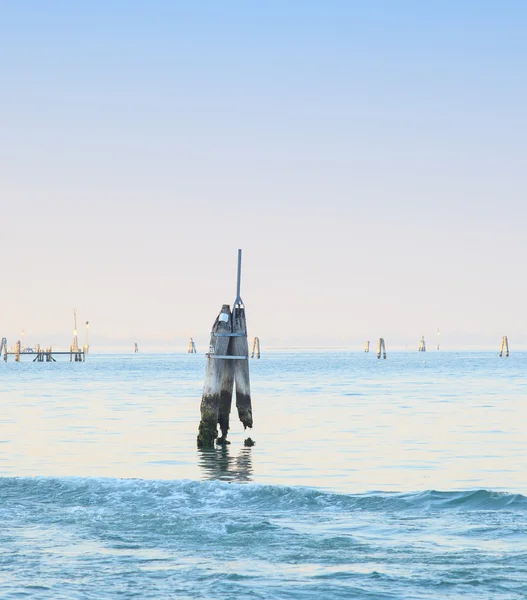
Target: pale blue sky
[368,156]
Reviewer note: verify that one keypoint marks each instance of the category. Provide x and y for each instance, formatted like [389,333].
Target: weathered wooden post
[422,345]
[136,348]
[191,347]
[214,378]
[227,386]
[256,348]
[17,351]
[227,365]
[367,347]
[240,348]
[381,348]
[504,346]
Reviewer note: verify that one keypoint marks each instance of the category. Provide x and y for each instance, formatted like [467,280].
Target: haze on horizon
[369,157]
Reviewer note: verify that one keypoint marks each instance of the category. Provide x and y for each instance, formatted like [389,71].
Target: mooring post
[504,346]
[367,347]
[381,348]
[17,351]
[191,347]
[214,377]
[226,388]
[240,348]
[422,345]
[255,351]
[227,365]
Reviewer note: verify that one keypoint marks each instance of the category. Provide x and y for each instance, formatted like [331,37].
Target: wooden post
[17,351]
[240,348]
[227,385]
[210,401]
[504,346]
[191,347]
[367,347]
[422,345]
[136,349]
[256,348]
[381,348]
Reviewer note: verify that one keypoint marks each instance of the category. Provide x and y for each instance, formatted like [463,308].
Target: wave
[73,491]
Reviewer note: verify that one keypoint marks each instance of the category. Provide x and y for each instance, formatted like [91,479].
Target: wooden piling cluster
[422,344]
[227,368]
[44,354]
[191,347]
[504,346]
[47,354]
[381,348]
[255,351]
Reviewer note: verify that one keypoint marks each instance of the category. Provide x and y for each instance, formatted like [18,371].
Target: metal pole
[238,300]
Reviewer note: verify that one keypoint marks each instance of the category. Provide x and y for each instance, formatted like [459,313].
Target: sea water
[400,478]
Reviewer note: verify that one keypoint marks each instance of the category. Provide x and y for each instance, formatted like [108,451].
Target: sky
[368,156]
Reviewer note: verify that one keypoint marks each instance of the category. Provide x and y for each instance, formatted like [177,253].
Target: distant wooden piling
[504,346]
[17,351]
[136,348]
[381,348]
[191,349]
[422,344]
[367,347]
[255,351]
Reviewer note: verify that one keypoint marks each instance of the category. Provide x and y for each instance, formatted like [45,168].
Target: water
[403,478]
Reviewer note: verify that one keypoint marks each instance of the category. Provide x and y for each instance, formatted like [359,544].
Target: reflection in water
[219,463]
